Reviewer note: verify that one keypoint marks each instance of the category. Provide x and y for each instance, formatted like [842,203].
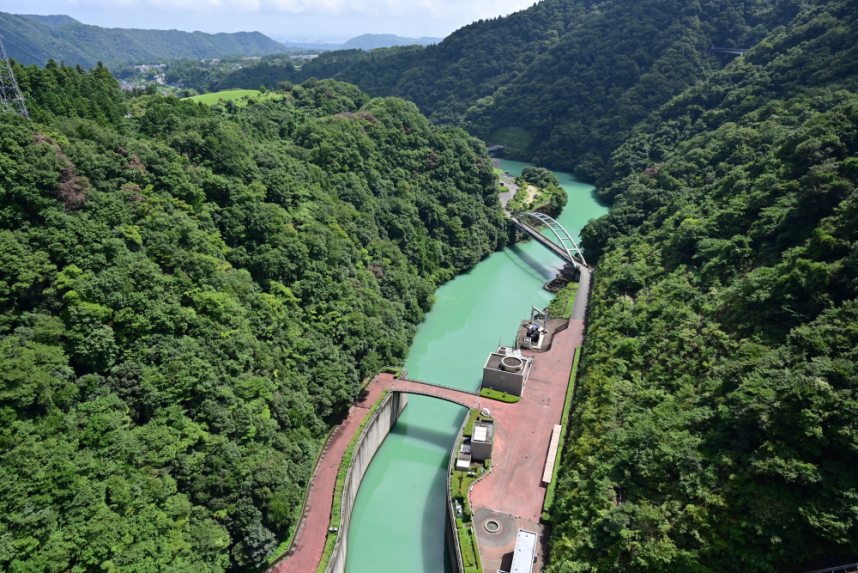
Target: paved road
[579,309]
[523,431]
[314,529]
[508,189]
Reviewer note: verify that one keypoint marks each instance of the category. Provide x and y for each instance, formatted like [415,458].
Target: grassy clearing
[511,137]
[562,303]
[237,95]
[337,509]
[564,420]
[499,396]
[497,170]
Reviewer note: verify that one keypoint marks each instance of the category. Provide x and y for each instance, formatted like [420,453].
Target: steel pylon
[11,98]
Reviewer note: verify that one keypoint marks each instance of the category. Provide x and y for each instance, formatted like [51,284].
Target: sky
[294,19]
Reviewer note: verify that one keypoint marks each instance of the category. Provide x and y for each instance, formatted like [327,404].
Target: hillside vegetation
[574,75]
[36,39]
[190,298]
[715,424]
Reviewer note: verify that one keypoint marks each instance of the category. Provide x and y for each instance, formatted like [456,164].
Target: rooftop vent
[512,364]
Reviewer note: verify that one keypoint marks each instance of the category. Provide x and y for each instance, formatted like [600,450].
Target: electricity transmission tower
[10,96]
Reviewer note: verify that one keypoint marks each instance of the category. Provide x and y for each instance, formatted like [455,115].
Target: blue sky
[280,18]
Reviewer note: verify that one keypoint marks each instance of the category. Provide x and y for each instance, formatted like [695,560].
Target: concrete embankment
[371,439]
[454,550]
[308,545]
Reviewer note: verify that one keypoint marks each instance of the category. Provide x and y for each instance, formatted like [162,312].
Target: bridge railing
[561,250]
[471,392]
[851,568]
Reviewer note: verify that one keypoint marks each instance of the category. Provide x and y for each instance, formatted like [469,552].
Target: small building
[463,461]
[506,371]
[495,150]
[525,552]
[482,440]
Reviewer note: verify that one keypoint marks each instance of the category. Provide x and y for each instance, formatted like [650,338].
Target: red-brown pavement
[523,431]
[311,543]
[449,394]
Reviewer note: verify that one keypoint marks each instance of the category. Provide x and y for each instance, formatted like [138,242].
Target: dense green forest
[190,297]
[715,418]
[36,39]
[574,76]
[276,69]
[444,80]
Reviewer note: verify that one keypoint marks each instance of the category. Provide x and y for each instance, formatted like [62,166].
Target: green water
[398,520]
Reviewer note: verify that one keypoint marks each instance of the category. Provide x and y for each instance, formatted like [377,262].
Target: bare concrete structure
[482,440]
[525,549]
[370,441]
[551,459]
[506,371]
[463,462]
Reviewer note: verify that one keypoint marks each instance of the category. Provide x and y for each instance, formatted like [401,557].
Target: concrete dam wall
[368,444]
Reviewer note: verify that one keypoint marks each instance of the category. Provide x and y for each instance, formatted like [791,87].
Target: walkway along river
[398,521]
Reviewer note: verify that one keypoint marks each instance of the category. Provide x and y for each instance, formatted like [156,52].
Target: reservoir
[398,519]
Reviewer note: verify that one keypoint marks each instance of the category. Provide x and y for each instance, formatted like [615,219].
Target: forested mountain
[52,19]
[191,295]
[617,62]
[36,39]
[444,79]
[272,70]
[372,41]
[715,418]
[573,76]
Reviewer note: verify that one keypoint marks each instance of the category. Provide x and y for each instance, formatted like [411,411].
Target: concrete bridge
[461,397]
[565,248]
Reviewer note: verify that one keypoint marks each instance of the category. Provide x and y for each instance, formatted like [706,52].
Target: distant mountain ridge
[55,20]
[35,39]
[372,41]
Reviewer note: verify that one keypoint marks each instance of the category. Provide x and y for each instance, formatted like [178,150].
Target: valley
[197,293]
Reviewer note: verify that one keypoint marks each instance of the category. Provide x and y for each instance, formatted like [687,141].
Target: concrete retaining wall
[370,440]
[454,551]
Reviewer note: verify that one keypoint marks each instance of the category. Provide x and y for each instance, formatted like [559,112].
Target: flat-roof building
[463,461]
[506,371]
[482,440]
[525,552]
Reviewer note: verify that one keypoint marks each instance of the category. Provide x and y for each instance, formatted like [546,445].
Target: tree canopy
[714,428]
[575,76]
[192,295]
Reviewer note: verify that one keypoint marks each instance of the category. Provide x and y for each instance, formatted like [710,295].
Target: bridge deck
[545,241]
[459,397]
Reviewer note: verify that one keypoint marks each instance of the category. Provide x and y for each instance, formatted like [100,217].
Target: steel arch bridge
[567,245]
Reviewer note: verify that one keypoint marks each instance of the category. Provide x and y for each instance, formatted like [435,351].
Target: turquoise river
[398,519]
